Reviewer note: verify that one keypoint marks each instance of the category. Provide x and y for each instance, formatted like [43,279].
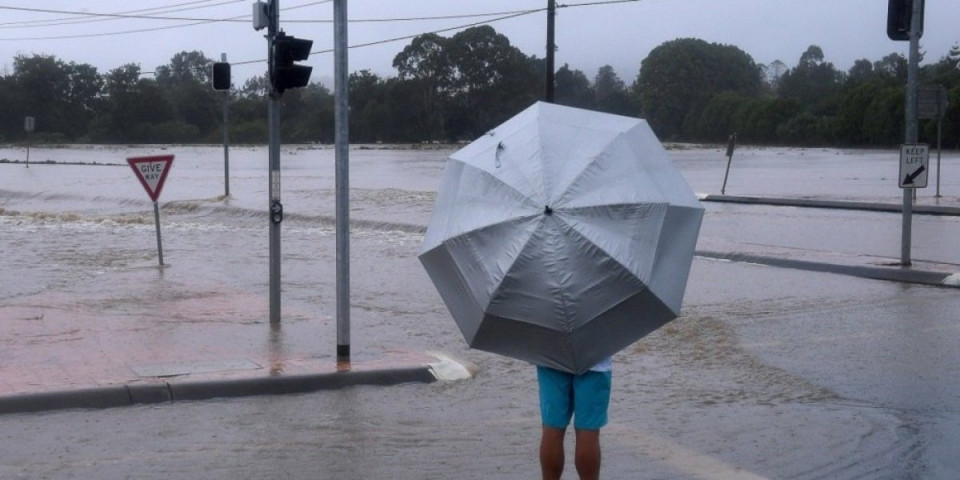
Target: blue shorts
[584,398]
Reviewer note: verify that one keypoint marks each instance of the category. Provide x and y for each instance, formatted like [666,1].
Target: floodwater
[778,374]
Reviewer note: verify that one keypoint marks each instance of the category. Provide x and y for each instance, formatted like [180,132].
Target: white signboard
[914,165]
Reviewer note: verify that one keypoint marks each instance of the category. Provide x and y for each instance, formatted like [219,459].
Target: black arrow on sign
[910,177]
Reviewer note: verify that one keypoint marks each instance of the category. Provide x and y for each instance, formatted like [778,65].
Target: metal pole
[939,137]
[156,219]
[273,119]
[911,125]
[551,50]
[731,144]
[342,140]
[226,137]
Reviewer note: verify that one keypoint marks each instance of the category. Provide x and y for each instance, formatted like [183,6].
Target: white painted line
[448,368]
[952,280]
[682,458]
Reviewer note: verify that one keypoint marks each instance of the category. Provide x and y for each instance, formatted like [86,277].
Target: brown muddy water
[734,389]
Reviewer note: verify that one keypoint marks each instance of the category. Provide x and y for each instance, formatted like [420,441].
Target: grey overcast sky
[588,36]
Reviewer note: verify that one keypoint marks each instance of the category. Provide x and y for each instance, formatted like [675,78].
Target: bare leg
[588,454]
[551,453]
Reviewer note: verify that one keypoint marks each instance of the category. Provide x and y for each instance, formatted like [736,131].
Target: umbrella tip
[547,210]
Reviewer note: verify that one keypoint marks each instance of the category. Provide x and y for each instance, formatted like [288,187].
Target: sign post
[731,145]
[29,124]
[932,103]
[911,130]
[152,173]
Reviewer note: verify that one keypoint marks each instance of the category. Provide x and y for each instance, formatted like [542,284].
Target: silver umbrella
[562,236]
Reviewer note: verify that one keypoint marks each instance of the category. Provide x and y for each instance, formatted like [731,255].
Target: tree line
[456,88]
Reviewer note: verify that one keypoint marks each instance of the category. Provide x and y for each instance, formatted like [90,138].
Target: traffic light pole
[275,207]
[226,137]
[912,128]
[342,140]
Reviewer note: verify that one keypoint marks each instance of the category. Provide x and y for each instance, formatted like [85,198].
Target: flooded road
[769,373]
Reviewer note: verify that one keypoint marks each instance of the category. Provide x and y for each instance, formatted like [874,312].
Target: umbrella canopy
[562,236]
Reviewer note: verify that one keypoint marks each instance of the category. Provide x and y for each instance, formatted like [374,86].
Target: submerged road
[770,373]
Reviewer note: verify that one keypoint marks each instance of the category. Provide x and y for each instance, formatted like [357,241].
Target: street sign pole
[731,145]
[152,173]
[156,220]
[342,187]
[29,123]
[913,68]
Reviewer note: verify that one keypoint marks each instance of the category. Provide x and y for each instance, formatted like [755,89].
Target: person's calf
[587,457]
[551,453]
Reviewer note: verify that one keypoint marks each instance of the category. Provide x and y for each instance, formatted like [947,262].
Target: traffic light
[221,76]
[900,17]
[284,73]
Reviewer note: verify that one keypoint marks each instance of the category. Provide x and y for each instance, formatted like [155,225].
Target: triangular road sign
[152,172]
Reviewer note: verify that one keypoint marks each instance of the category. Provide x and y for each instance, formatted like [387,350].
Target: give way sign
[152,172]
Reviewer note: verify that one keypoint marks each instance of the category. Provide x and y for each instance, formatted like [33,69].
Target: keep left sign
[152,172]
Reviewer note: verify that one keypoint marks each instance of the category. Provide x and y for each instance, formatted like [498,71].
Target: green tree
[679,77]
[893,66]
[572,88]
[610,93]
[368,109]
[134,110]
[492,80]
[883,123]
[814,82]
[760,121]
[425,63]
[186,83]
[185,67]
[719,118]
[248,111]
[62,96]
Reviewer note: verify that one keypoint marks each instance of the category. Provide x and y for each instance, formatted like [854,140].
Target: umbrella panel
[581,349]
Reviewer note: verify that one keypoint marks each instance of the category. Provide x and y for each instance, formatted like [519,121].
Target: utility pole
[551,50]
[342,187]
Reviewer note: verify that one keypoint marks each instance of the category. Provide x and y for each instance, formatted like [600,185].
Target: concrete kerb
[173,391]
[899,274]
[831,204]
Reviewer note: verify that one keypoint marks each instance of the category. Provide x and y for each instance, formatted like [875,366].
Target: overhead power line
[136,14]
[86,17]
[193,22]
[509,15]
[89,17]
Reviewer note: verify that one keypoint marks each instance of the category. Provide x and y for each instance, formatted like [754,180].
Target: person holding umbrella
[559,238]
[584,398]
